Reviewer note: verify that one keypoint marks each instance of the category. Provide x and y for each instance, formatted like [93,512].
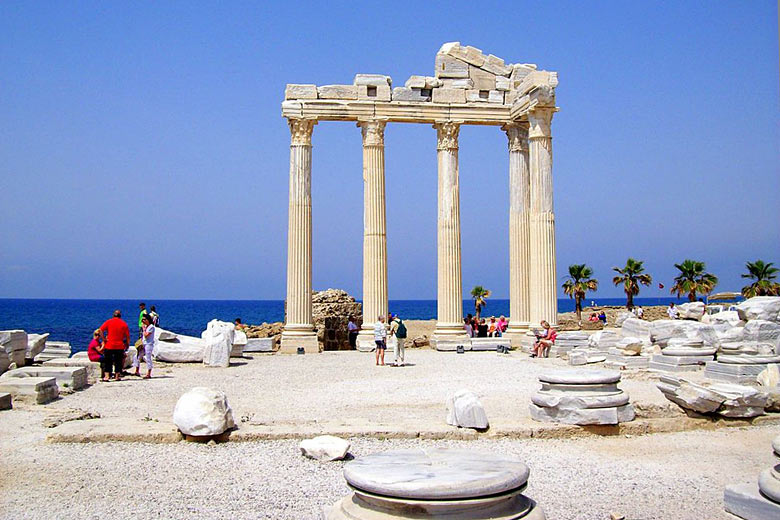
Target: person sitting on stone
[544,342]
[672,312]
[593,318]
[468,328]
[492,327]
[502,324]
[95,352]
[603,317]
[238,324]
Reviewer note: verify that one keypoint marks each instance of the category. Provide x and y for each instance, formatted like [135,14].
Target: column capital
[301,130]
[517,133]
[373,131]
[540,120]
[447,134]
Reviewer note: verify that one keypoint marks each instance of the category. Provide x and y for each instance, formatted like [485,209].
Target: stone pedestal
[449,322]
[299,328]
[519,231]
[757,502]
[739,369]
[580,396]
[435,483]
[374,230]
[544,302]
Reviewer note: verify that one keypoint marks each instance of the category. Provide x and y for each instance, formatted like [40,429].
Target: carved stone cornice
[540,120]
[517,133]
[301,130]
[447,135]
[373,132]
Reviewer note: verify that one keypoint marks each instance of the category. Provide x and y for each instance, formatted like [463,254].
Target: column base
[448,333]
[365,341]
[516,332]
[292,340]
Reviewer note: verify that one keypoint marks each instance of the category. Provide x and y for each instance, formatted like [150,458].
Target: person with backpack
[398,329]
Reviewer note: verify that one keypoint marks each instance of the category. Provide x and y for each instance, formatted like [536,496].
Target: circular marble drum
[434,483]
[580,376]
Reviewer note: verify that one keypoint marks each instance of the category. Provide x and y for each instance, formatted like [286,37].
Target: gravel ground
[662,476]
[347,387]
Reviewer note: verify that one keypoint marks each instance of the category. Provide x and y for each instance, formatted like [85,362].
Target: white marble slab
[579,376]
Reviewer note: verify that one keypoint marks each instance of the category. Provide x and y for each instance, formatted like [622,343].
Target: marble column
[374,231]
[449,323]
[519,230]
[544,303]
[299,327]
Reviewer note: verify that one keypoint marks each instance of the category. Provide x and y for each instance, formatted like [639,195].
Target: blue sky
[143,155]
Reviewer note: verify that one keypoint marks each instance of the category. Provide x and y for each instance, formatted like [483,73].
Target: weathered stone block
[503,83]
[469,54]
[374,93]
[203,412]
[72,378]
[15,344]
[5,401]
[449,95]
[496,65]
[482,80]
[337,92]
[464,410]
[457,83]
[295,91]
[37,389]
[259,345]
[449,67]
[373,80]
[411,94]
[484,96]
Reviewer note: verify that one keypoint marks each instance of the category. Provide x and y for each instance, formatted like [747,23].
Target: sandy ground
[680,475]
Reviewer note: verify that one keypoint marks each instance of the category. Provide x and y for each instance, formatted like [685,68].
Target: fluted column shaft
[374,229]
[450,292]
[519,228]
[544,303]
[299,327]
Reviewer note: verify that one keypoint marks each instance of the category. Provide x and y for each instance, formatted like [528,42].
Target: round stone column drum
[581,396]
[436,483]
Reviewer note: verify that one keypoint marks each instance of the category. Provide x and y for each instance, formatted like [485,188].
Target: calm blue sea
[74,320]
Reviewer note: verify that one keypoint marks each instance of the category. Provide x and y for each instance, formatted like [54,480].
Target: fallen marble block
[663,331]
[70,378]
[5,360]
[740,373]
[36,343]
[324,448]
[618,360]
[585,357]
[177,348]
[622,317]
[730,318]
[219,337]
[603,340]
[760,308]
[54,350]
[567,341]
[770,376]
[39,390]
[682,354]
[757,502]
[724,399]
[464,410]
[239,343]
[14,342]
[203,412]
[435,483]
[691,310]
[581,396]
[636,328]
[490,344]
[259,345]
[5,401]
[762,331]
[92,367]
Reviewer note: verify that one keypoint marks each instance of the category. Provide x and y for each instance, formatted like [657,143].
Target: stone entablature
[468,87]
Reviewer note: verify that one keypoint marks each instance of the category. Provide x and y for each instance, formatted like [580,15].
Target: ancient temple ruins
[467,88]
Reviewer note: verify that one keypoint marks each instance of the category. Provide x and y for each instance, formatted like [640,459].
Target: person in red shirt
[115,342]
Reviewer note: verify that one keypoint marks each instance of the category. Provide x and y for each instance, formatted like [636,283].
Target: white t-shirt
[380,331]
[149,340]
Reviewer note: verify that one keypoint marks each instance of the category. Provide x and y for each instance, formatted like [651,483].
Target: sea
[75,320]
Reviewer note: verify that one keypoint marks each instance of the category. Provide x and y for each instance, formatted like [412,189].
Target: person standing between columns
[519,232]
[299,326]
[398,329]
[374,227]
[380,339]
[544,303]
[449,323]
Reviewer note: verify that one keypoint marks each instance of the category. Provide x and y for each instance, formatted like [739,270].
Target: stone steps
[39,390]
[70,378]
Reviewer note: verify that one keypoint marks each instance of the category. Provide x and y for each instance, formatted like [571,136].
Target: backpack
[401,331]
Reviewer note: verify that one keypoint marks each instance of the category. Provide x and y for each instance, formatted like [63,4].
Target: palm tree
[764,276]
[631,276]
[479,294]
[579,282]
[693,279]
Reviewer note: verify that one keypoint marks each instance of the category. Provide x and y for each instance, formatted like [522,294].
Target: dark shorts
[380,344]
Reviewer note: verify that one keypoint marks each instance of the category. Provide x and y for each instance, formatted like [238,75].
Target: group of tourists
[110,344]
[601,316]
[479,328]
[381,333]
